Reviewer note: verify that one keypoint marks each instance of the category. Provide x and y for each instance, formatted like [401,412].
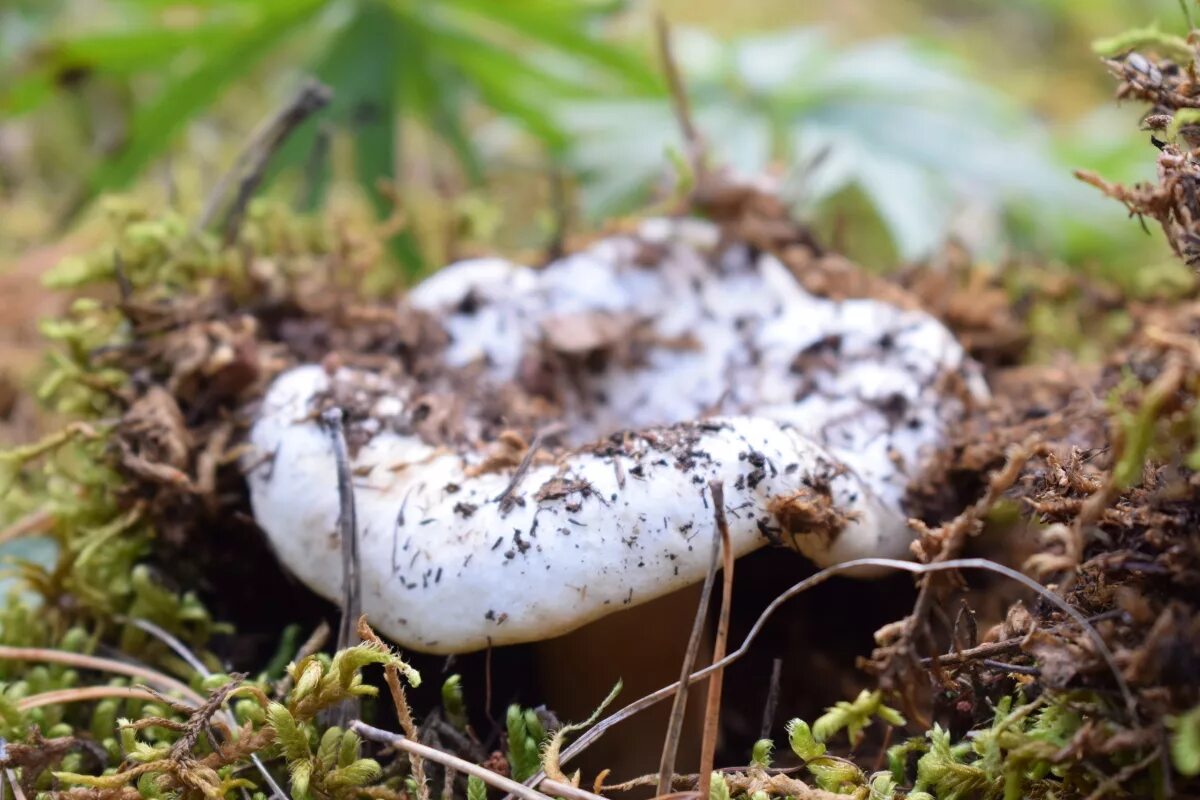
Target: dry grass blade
[566,790]
[80,661]
[540,439]
[666,765]
[448,760]
[18,792]
[712,707]
[769,708]
[84,693]
[679,97]
[29,525]
[177,647]
[602,727]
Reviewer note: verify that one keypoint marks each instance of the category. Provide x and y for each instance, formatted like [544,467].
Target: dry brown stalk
[403,713]
[666,765]
[712,709]
[84,693]
[417,751]
[81,661]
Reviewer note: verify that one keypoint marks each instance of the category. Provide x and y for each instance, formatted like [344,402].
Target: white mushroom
[669,360]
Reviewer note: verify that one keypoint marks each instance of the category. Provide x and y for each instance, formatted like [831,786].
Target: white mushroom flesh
[815,414]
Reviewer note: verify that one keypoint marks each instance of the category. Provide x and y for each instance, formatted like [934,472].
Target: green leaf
[347,663]
[1151,37]
[883,787]
[524,757]
[348,749]
[327,750]
[291,738]
[506,82]
[943,770]
[136,50]
[718,788]
[561,24]
[476,788]
[835,774]
[452,702]
[359,773]
[760,754]
[157,122]
[300,773]
[309,678]
[854,716]
[1185,742]
[364,65]
[12,721]
[802,742]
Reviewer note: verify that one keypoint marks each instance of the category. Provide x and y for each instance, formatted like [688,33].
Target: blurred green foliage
[897,123]
[931,151]
[386,60]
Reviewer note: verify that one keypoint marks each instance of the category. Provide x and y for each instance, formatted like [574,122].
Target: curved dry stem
[84,693]
[666,765]
[177,647]
[100,664]
[446,759]
[654,698]
[32,524]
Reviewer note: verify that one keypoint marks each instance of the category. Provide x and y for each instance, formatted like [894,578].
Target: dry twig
[679,97]
[81,661]
[637,706]
[666,765]
[712,708]
[80,694]
[403,713]
[251,164]
[417,751]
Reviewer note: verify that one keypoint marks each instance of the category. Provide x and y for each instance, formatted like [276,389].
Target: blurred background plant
[894,125]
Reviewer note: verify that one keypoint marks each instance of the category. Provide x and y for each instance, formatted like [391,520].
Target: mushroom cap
[668,360]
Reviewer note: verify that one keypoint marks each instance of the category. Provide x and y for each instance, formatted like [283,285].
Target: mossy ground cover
[161,653]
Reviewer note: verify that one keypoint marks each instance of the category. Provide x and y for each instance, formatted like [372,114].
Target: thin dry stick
[28,525]
[539,439]
[170,641]
[1114,782]
[679,96]
[666,765]
[602,727]
[712,708]
[446,759]
[769,708]
[560,789]
[403,713]
[84,693]
[80,661]
[251,164]
[18,792]
[347,527]
[1005,646]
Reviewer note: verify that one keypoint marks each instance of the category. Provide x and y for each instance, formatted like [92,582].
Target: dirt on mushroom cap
[665,359]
